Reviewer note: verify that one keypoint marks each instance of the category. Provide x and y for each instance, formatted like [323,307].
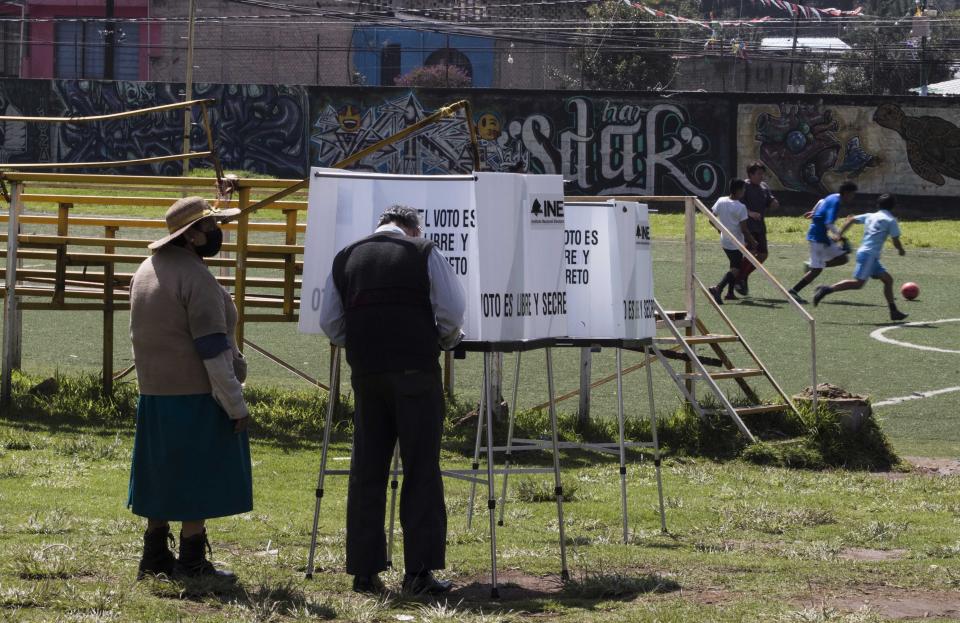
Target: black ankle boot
[193,559]
[157,557]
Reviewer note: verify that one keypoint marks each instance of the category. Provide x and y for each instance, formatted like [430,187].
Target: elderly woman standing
[191,455]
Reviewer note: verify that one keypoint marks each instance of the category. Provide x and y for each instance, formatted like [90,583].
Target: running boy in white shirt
[733,214]
[877,226]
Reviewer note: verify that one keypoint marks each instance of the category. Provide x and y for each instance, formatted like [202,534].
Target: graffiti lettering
[606,148]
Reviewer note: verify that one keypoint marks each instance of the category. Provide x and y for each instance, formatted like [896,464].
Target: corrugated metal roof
[832,44]
[948,87]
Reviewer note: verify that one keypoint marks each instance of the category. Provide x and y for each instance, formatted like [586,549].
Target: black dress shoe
[368,584]
[425,583]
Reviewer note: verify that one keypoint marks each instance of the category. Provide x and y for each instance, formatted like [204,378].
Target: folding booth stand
[474,475]
[485,422]
[619,448]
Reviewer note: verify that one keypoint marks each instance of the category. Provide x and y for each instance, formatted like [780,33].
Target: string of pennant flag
[795,10]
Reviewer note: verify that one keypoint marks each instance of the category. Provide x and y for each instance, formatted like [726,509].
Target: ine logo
[643,235]
[546,211]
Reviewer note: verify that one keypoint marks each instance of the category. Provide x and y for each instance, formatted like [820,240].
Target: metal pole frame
[475,466]
[394,484]
[558,484]
[623,450]
[491,493]
[188,82]
[689,289]
[332,401]
[656,442]
[513,416]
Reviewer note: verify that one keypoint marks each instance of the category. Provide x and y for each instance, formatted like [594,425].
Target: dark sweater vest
[384,283]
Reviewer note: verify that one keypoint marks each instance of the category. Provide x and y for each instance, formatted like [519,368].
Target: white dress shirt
[446,297]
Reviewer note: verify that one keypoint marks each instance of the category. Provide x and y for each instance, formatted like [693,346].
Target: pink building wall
[40,51]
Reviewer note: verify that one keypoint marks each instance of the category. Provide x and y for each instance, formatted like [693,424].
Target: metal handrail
[110,116]
[776,284]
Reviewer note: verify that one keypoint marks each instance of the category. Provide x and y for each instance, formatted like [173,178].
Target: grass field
[746,543]
[847,356]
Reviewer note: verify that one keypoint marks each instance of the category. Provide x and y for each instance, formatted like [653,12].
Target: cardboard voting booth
[608,271]
[509,260]
[536,274]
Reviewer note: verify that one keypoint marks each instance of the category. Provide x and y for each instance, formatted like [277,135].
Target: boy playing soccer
[824,252]
[877,226]
[733,214]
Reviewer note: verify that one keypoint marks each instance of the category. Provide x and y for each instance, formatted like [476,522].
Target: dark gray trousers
[409,406]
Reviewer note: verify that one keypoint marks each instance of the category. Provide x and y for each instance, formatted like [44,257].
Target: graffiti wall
[262,129]
[601,145]
[886,147]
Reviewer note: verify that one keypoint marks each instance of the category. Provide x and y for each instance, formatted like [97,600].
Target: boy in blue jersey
[824,251]
[877,226]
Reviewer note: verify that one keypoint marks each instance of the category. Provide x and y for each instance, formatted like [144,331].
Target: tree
[440,75]
[628,49]
[887,60]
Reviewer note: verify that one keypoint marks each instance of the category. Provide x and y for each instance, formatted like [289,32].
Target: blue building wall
[416,46]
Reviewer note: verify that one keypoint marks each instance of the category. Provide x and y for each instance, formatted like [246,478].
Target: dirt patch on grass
[863,554]
[513,586]
[898,604]
[934,467]
[830,391]
[924,466]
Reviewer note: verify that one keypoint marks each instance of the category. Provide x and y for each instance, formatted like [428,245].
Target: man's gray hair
[400,215]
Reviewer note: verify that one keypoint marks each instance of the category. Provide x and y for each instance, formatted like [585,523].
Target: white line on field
[916,396]
[878,335]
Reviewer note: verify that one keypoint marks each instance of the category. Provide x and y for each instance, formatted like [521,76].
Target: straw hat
[187,211]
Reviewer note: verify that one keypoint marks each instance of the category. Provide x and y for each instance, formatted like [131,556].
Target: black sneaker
[715,293]
[796,296]
[742,288]
[896,314]
[819,293]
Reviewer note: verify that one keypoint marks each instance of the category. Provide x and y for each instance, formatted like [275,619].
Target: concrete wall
[231,50]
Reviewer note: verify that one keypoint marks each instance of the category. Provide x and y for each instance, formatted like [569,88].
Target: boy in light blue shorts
[877,227]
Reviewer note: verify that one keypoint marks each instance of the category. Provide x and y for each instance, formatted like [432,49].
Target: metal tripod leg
[656,443]
[476,448]
[558,485]
[623,453]
[513,416]
[491,494]
[393,502]
[333,398]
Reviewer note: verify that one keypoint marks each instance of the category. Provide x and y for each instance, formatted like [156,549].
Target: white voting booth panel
[520,223]
[608,271]
[501,232]
[343,207]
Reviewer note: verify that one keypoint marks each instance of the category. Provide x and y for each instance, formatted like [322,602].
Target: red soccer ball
[910,290]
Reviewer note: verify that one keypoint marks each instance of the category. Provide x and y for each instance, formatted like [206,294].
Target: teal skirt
[188,464]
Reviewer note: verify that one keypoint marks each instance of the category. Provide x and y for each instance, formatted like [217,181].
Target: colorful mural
[601,146]
[799,145]
[813,147]
[932,143]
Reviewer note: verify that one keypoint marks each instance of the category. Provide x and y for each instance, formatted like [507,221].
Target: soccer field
[847,354]
[746,542]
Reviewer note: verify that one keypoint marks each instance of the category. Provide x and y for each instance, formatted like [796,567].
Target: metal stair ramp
[675,329]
